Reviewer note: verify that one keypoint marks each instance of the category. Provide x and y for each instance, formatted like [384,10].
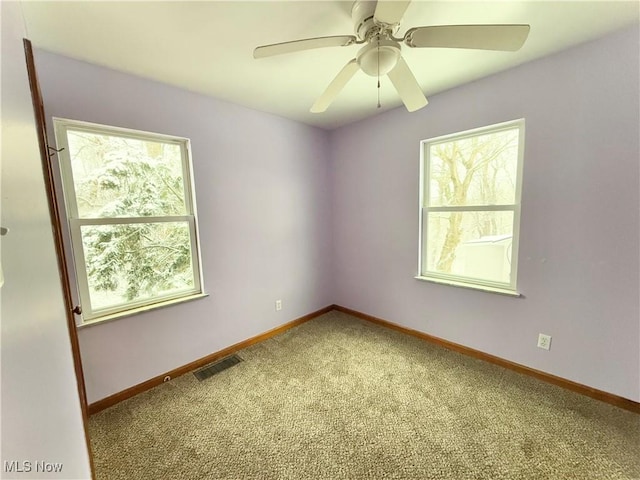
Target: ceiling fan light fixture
[379,57]
[376,23]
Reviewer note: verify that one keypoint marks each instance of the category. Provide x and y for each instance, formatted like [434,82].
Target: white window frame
[457,280]
[90,315]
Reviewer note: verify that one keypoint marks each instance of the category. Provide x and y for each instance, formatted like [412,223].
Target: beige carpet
[339,398]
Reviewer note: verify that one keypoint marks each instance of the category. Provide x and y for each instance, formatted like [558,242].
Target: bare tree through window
[471,201]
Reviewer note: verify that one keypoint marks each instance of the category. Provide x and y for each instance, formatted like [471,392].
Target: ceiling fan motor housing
[364,23]
[362,16]
[380,55]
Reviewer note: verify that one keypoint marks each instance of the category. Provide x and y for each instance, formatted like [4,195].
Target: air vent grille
[216,367]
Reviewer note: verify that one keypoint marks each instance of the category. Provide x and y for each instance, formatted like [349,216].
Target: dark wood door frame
[45,153]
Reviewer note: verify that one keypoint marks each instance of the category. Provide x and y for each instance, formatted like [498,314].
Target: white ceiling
[207,46]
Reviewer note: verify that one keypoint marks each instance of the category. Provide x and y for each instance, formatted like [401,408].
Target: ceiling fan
[375,26]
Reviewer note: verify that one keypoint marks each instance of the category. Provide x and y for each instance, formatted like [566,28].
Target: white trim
[515,246]
[122,309]
[190,187]
[473,208]
[129,220]
[424,209]
[77,125]
[422,256]
[61,127]
[472,286]
[474,132]
[135,311]
[68,188]
[82,281]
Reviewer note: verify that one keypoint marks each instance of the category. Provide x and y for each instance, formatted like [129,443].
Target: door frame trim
[56,227]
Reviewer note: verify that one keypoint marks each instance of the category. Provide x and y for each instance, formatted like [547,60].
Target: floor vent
[213,368]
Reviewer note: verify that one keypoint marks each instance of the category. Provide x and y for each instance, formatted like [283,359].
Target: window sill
[136,311]
[484,288]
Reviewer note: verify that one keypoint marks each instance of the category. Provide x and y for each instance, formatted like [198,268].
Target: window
[470,207]
[132,217]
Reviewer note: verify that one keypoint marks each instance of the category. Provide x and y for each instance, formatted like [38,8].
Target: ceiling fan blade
[335,87]
[390,11]
[482,37]
[305,44]
[407,86]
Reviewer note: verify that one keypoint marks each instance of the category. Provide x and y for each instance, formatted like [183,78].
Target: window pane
[478,170]
[470,244]
[131,262]
[125,177]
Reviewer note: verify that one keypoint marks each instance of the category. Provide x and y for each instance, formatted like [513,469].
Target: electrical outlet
[278,305]
[544,341]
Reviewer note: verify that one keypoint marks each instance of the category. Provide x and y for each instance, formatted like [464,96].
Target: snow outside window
[132,218]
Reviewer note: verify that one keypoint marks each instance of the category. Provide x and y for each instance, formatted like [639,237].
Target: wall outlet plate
[278,305]
[544,341]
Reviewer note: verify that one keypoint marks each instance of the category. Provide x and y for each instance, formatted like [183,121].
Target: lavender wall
[262,187]
[274,196]
[579,254]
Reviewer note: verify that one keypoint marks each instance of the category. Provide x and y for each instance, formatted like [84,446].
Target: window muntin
[131,212]
[470,206]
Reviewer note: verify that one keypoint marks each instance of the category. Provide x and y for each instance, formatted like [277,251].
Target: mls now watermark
[26,466]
